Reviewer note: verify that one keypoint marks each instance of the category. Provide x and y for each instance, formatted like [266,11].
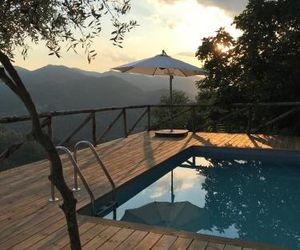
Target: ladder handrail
[78,171]
[91,146]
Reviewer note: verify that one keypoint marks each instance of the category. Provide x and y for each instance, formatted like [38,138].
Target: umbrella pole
[171,102]
[172,187]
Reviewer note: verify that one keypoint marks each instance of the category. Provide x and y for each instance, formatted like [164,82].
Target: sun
[222,48]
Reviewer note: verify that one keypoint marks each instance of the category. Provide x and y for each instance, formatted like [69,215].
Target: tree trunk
[11,78]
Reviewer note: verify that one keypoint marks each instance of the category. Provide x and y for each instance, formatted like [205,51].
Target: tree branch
[14,82]
[7,80]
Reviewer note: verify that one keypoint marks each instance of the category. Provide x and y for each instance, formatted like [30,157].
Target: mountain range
[56,87]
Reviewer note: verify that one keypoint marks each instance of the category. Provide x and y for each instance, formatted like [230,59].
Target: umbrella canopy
[161,65]
[179,215]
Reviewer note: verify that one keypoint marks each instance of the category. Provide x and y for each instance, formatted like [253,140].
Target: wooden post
[49,127]
[194,161]
[193,119]
[125,122]
[149,117]
[94,129]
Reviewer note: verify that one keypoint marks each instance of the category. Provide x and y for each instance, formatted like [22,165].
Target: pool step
[105,209]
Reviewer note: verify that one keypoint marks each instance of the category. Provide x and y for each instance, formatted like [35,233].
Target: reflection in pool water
[245,199]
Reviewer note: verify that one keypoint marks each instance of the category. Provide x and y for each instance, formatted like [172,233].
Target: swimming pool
[246,194]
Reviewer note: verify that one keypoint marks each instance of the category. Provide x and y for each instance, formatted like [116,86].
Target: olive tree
[75,23]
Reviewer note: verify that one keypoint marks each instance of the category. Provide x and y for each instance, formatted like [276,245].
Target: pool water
[254,200]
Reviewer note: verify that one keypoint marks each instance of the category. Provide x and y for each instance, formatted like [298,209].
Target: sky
[176,26]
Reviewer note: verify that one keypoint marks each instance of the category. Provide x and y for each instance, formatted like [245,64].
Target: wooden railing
[247,110]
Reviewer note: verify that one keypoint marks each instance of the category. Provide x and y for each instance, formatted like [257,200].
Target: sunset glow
[175,26]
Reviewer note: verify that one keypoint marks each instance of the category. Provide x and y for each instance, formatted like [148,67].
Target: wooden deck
[29,221]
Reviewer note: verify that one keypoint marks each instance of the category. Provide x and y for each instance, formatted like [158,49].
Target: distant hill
[150,83]
[59,87]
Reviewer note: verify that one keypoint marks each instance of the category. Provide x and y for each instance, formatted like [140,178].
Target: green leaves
[162,114]
[262,65]
[75,22]
[217,54]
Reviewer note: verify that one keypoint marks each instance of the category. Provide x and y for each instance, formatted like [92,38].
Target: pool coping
[184,234]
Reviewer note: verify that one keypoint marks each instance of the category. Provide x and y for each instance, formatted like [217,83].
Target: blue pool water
[251,199]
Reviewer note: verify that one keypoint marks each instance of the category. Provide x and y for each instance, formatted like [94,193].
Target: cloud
[186,54]
[117,56]
[234,6]
[171,24]
[164,21]
[169,1]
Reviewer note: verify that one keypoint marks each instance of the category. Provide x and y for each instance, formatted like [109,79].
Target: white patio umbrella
[162,65]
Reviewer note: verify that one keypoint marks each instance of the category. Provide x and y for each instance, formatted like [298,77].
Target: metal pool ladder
[111,205]
[78,172]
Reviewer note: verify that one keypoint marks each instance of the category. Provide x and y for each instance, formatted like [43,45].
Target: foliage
[218,56]
[269,49]
[262,65]
[75,22]
[31,151]
[162,115]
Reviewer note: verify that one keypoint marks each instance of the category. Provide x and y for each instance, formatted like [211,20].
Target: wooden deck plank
[197,245]
[27,220]
[49,241]
[181,244]
[21,236]
[215,246]
[101,238]
[64,241]
[28,242]
[91,233]
[135,238]
[148,242]
[35,220]
[164,242]
[232,247]
[117,239]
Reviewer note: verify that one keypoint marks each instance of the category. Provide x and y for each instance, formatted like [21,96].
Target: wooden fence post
[125,122]
[94,129]
[149,117]
[193,119]
[49,128]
